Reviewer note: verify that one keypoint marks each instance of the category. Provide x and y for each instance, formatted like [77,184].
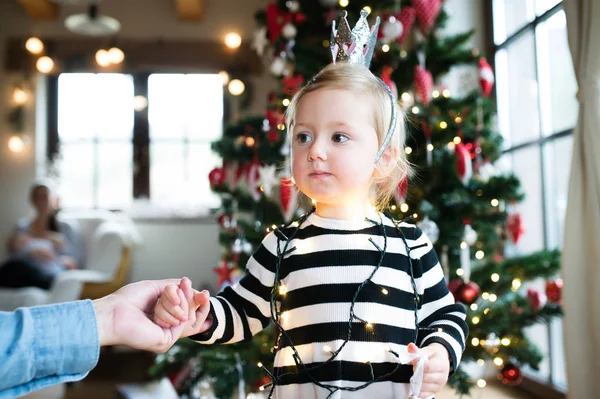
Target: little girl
[356,296]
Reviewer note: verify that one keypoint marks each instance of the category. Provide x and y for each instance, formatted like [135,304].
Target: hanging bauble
[224,221]
[288,198]
[328,3]
[536,299]
[391,29]
[236,248]
[464,164]
[407,19]
[289,31]
[486,171]
[276,19]
[515,227]
[247,247]
[216,177]
[430,228]
[467,293]
[486,77]
[469,234]
[454,285]
[277,66]
[554,290]
[427,12]
[423,84]
[510,374]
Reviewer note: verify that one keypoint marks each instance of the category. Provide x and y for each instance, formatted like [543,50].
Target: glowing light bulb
[495,277]
[102,58]
[385,48]
[224,76]
[44,64]
[116,55]
[236,87]
[34,45]
[408,150]
[233,40]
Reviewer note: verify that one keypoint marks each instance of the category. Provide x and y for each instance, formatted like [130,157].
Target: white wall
[170,249]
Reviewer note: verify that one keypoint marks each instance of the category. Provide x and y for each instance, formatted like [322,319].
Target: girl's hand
[437,368]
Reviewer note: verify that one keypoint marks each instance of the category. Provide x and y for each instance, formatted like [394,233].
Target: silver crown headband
[356,46]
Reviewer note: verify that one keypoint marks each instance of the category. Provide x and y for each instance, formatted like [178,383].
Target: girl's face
[334,144]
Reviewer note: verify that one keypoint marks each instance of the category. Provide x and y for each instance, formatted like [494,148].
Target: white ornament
[289,31]
[260,40]
[486,171]
[430,228]
[470,235]
[247,247]
[236,248]
[267,178]
[392,29]
[292,5]
[277,66]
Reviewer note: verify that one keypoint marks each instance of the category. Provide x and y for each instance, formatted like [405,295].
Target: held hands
[170,310]
[437,368]
[126,316]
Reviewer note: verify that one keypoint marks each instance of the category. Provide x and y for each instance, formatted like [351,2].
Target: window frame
[539,387]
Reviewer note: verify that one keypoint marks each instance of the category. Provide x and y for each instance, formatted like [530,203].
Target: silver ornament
[430,228]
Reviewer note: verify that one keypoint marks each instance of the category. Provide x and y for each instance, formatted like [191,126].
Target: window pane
[518,91]
[538,334]
[185,106]
[558,86]
[527,167]
[166,171]
[95,105]
[115,175]
[541,6]
[557,163]
[510,16]
[76,180]
[179,177]
[559,373]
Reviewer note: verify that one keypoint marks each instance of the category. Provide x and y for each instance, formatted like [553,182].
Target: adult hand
[125,317]
[437,368]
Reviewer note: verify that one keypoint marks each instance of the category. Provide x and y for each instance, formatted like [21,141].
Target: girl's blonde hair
[358,79]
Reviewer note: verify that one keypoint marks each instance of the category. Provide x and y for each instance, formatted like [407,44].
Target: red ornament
[464,166]
[554,290]
[262,382]
[253,179]
[276,19]
[536,299]
[486,77]
[273,136]
[510,374]
[291,84]
[427,12]
[423,84]
[216,177]
[224,220]
[406,16]
[288,197]
[454,285]
[386,76]
[274,117]
[467,293]
[224,272]
[515,226]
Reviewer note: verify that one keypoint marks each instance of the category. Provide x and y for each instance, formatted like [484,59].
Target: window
[108,151]
[537,111]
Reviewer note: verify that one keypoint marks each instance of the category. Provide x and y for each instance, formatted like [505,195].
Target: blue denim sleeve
[46,345]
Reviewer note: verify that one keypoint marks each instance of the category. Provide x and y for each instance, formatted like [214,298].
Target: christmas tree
[455,194]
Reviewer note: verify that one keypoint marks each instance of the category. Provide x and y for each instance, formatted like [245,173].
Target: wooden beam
[189,10]
[40,10]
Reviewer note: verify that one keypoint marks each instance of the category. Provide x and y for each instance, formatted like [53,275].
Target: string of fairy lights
[278,317]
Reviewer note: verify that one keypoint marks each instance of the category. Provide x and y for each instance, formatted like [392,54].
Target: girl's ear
[386,162]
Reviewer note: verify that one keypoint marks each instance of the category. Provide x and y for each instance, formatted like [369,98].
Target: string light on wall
[34,45]
[236,87]
[19,96]
[233,40]
[224,76]
[116,55]
[139,103]
[105,58]
[102,58]
[45,64]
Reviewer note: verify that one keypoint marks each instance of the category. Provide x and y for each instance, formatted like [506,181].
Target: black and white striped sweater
[331,259]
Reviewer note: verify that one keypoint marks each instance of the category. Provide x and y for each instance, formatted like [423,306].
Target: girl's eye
[303,138]
[339,138]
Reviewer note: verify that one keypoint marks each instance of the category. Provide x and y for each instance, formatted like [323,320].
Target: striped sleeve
[243,310]
[440,319]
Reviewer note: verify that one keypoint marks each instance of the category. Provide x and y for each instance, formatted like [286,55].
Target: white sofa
[106,240]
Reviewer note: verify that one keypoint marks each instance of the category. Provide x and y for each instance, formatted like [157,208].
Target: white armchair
[106,241]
